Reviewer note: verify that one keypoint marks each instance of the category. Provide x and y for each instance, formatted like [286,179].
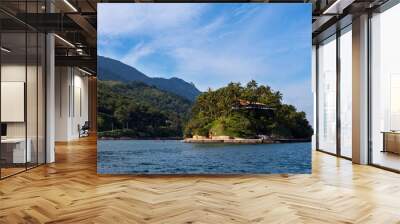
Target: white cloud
[139,51]
[218,66]
[125,19]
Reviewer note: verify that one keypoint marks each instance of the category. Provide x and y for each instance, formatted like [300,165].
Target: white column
[50,99]
[314,91]
[360,90]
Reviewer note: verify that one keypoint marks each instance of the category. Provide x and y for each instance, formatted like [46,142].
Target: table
[13,150]
[391,141]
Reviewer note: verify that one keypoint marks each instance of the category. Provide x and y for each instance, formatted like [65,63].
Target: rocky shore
[242,141]
[131,138]
[229,141]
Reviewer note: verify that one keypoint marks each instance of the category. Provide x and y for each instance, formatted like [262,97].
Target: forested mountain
[110,69]
[135,109]
[260,111]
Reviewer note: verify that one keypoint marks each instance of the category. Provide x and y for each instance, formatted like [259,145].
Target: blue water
[176,157]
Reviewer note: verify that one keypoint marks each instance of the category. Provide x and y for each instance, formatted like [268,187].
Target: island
[251,114]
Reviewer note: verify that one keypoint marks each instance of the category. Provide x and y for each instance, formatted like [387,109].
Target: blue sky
[214,44]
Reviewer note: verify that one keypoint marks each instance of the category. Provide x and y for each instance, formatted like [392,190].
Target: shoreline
[130,138]
[212,141]
[244,141]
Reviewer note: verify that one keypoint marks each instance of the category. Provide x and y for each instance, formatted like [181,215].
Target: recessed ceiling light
[5,50]
[64,40]
[86,72]
[70,5]
[337,7]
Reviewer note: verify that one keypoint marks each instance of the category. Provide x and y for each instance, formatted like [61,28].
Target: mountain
[135,109]
[111,69]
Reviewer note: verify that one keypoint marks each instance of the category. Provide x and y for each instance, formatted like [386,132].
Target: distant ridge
[111,69]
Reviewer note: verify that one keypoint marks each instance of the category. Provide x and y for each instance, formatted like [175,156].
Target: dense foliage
[134,109]
[213,113]
[137,110]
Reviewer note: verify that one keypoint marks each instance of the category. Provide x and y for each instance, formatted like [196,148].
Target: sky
[211,45]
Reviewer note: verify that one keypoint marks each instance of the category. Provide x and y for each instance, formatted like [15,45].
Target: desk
[391,141]
[14,150]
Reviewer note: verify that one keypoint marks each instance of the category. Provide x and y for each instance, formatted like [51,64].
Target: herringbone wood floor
[70,191]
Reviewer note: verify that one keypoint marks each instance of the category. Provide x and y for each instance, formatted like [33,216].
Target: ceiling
[75,22]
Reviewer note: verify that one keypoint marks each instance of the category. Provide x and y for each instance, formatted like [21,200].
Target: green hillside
[137,110]
[134,109]
[260,112]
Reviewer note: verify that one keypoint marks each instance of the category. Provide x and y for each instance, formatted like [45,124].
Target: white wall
[62,81]
[13,100]
[12,73]
[71,102]
[33,125]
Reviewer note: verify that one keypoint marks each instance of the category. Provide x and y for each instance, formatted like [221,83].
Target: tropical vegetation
[214,113]
[136,110]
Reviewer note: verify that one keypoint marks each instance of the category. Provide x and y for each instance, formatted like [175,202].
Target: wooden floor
[5,172]
[387,159]
[70,191]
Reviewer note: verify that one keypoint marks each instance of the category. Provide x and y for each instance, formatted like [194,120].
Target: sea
[177,157]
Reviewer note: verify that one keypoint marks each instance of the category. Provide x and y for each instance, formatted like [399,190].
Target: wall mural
[204,88]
